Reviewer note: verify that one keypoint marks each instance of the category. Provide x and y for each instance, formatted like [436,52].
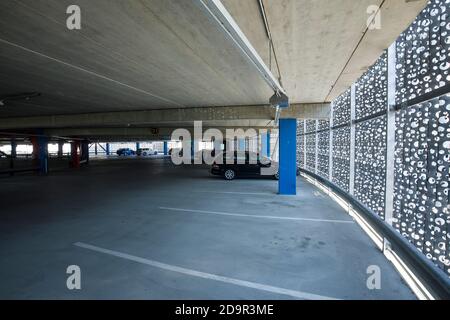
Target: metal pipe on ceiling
[216,10]
[262,10]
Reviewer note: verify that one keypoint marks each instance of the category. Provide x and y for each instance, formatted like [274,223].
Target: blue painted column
[138,146]
[13,148]
[107,149]
[287,185]
[265,144]
[42,154]
[166,151]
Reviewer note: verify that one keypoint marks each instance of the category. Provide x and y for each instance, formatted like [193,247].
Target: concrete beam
[166,116]
[307,111]
[126,134]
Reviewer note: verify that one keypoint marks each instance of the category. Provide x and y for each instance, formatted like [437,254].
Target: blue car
[125,152]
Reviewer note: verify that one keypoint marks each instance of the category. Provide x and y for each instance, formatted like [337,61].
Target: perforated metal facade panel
[423,52]
[341,158]
[370,164]
[323,149]
[341,109]
[422,160]
[371,89]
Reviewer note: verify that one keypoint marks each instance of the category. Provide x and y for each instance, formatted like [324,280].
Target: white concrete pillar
[330,174]
[304,143]
[352,138]
[316,165]
[391,128]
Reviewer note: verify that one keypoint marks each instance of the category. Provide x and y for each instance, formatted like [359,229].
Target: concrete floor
[117,205]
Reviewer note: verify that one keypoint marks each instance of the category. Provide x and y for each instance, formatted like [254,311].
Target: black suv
[125,152]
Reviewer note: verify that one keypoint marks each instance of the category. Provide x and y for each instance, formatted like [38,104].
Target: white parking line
[254,216]
[209,276]
[235,192]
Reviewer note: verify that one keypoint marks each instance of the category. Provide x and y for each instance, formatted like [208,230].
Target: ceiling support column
[40,153]
[287,184]
[85,152]
[165,148]
[265,143]
[75,154]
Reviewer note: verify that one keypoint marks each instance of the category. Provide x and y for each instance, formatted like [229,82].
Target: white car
[146,152]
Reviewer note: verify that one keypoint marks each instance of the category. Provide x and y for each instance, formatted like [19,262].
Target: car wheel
[229,174]
[156,153]
[144,154]
[277,176]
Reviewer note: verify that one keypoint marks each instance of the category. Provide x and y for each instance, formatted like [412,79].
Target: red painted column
[75,154]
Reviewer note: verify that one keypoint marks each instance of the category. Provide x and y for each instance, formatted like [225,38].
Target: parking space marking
[236,192]
[254,216]
[318,194]
[204,275]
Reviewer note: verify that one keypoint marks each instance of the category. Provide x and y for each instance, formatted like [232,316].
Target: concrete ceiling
[158,54]
[129,55]
[323,46]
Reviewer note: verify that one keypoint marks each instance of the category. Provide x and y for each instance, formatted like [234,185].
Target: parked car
[146,152]
[264,167]
[125,152]
[3,155]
